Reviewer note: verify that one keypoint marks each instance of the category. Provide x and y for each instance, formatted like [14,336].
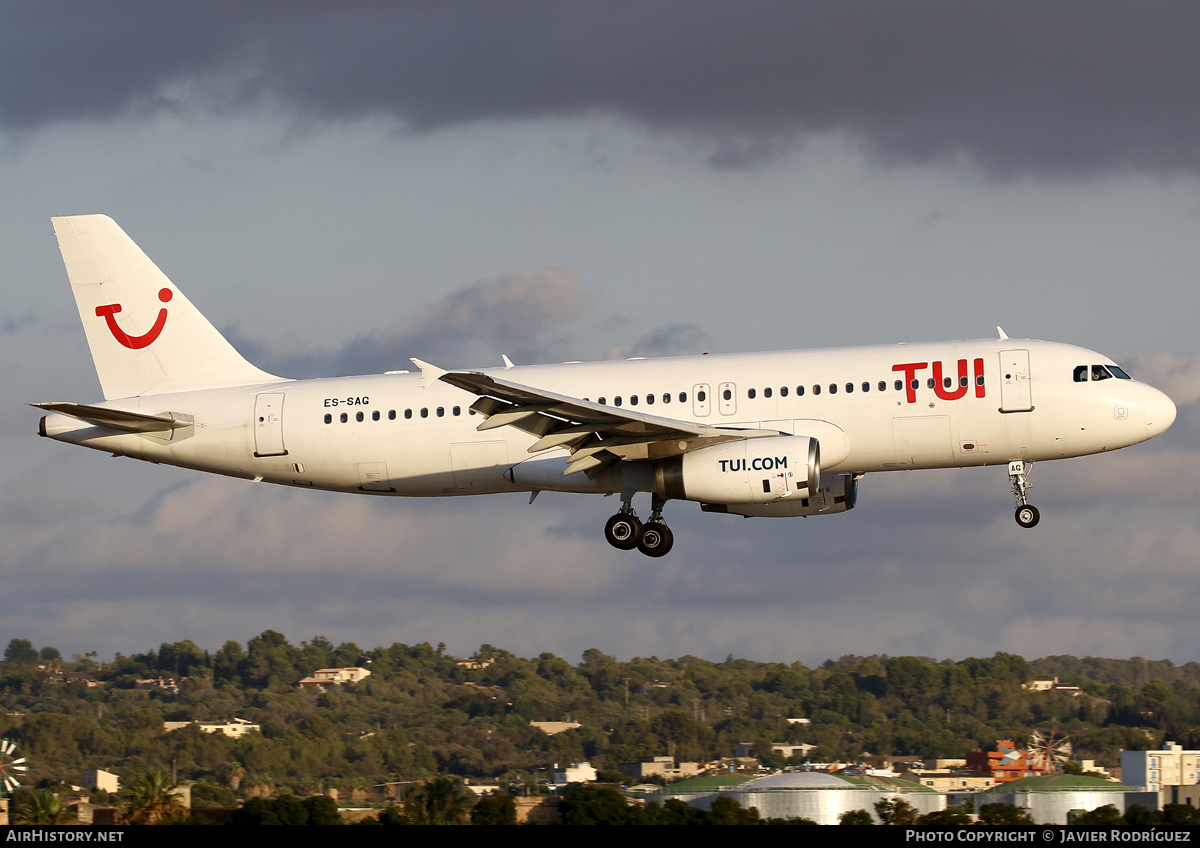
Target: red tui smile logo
[135,342]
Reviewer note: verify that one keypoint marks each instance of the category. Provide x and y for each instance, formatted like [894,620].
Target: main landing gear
[626,531]
[1027,515]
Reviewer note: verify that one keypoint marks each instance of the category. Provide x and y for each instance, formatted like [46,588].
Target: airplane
[779,434]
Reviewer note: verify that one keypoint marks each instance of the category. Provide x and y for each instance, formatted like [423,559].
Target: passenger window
[849,388]
[866,386]
[617,400]
[979,380]
[701,396]
[457,410]
[962,381]
[783,391]
[833,388]
[799,391]
[728,395]
[683,397]
[649,399]
[1099,372]
[601,401]
[930,382]
[407,414]
[817,389]
[345,418]
[916,384]
[882,385]
[749,393]
[767,392]
[633,400]
[375,415]
[900,385]
[358,416]
[424,412]
[328,418]
[667,397]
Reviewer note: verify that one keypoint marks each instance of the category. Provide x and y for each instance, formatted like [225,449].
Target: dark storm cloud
[1016,87]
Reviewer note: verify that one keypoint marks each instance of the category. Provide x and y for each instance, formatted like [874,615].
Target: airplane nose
[1160,414]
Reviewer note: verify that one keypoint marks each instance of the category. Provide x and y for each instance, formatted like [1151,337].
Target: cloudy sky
[342,186]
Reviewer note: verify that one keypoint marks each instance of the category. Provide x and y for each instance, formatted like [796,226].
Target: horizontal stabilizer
[117,419]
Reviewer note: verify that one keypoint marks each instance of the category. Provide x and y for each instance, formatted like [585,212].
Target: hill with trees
[422,714]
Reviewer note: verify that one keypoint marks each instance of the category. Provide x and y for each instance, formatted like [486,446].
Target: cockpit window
[1099,372]
[1119,373]
[1081,373]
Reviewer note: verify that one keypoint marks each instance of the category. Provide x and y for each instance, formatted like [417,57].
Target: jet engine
[749,471]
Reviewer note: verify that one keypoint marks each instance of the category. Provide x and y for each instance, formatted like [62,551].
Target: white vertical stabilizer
[145,336]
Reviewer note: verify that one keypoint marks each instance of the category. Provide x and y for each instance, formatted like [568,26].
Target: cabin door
[268,424]
[1016,394]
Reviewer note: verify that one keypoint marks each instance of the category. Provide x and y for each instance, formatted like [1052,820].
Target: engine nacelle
[838,493]
[750,471]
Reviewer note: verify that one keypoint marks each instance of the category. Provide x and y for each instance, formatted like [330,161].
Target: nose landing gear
[1026,515]
[626,532]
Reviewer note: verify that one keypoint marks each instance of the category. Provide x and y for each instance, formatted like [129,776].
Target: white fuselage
[871,408]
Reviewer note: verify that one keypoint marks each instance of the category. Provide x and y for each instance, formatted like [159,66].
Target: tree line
[421,715]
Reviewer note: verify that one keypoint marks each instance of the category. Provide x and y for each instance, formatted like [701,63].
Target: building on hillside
[574,773]
[1052,686]
[237,727]
[949,781]
[787,750]
[323,677]
[101,780]
[166,684]
[1152,770]
[552,727]
[812,795]
[475,663]
[665,767]
[1050,799]
[57,675]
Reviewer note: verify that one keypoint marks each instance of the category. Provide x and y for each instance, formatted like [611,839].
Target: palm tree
[442,802]
[42,807]
[151,799]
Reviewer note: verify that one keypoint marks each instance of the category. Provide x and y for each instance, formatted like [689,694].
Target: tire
[623,531]
[657,539]
[1028,516]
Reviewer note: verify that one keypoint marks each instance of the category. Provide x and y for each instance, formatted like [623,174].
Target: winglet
[429,373]
[1000,331]
[508,363]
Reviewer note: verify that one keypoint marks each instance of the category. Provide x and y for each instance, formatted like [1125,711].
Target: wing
[596,435]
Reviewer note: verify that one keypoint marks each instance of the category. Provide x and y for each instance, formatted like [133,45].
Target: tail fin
[146,338]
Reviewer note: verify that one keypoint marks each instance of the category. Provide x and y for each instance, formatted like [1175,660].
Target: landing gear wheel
[623,531]
[656,540]
[1028,516]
